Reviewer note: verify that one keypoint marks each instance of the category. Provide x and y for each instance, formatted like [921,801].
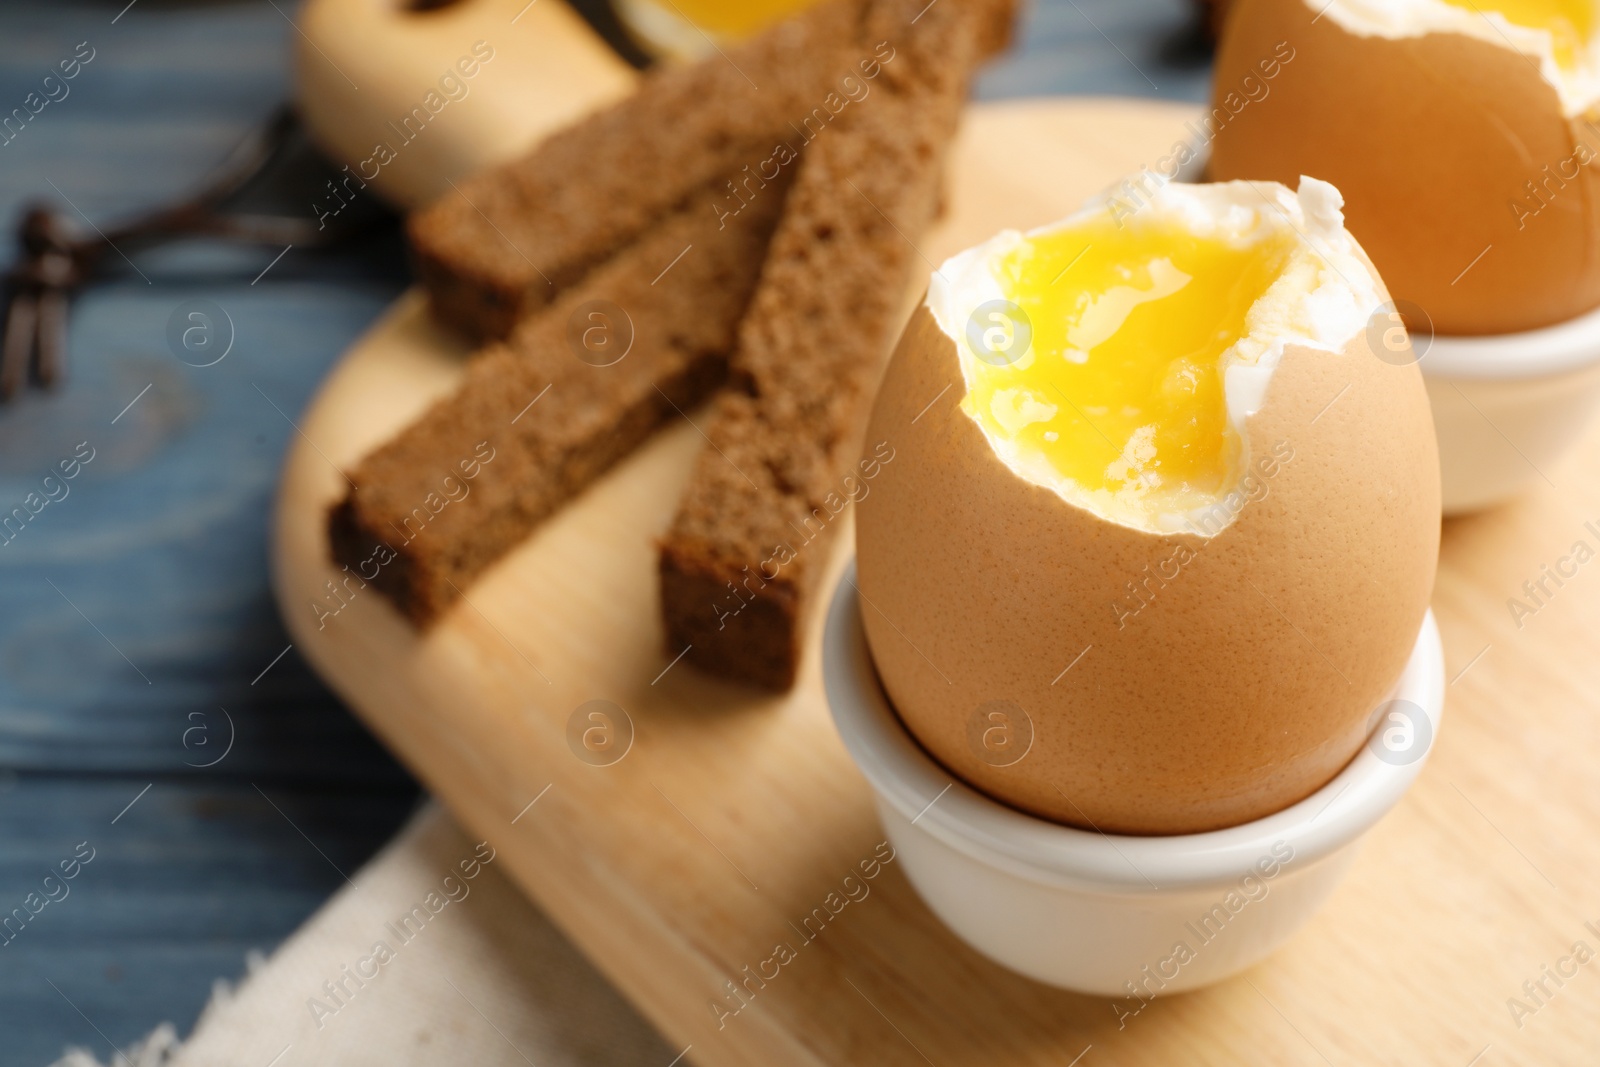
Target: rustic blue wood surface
[136,609]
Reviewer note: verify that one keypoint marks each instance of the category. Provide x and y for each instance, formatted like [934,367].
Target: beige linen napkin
[430,955]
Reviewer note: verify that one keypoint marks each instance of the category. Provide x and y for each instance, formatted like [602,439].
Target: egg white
[1579,88]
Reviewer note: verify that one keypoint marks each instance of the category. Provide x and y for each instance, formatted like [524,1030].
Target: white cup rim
[907,779]
[1559,349]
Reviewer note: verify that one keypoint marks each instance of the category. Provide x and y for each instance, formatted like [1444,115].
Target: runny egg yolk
[1120,389]
[735,19]
[1570,22]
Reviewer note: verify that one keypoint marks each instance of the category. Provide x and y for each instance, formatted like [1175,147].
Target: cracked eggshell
[1432,139]
[1246,679]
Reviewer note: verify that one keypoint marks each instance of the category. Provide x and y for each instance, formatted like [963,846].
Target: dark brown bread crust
[741,563]
[474,475]
[510,239]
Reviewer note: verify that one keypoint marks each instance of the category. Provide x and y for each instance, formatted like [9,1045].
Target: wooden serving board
[732,816]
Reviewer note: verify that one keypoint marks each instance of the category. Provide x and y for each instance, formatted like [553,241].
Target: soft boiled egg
[1162,528]
[1461,132]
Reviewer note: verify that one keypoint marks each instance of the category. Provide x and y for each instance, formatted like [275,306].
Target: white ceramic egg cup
[1506,407]
[1098,913]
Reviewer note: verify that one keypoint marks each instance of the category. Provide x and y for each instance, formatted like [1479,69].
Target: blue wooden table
[153,715]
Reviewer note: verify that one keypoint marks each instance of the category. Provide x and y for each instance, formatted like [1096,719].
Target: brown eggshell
[1244,683]
[1431,140]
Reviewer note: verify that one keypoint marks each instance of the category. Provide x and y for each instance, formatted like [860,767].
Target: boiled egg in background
[1158,503]
[1461,132]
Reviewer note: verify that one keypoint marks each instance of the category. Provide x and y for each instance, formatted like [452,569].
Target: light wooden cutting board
[732,816]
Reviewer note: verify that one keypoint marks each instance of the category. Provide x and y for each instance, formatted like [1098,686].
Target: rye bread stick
[543,414]
[507,241]
[742,561]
